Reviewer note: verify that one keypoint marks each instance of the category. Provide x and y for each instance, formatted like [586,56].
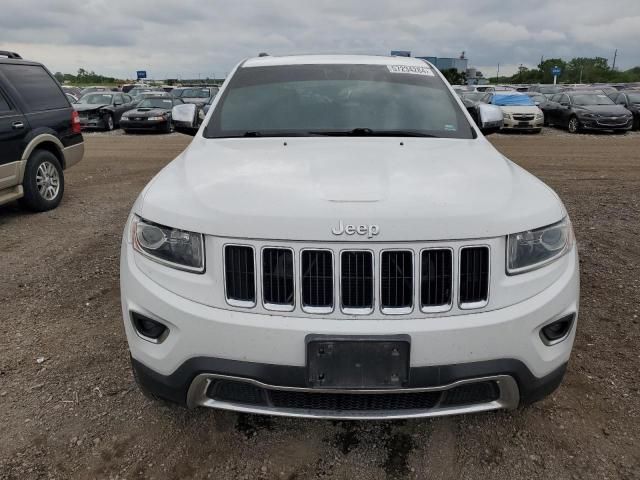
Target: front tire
[574,125]
[43,182]
[109,124]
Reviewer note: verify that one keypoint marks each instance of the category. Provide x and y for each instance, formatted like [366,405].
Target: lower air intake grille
[240,281]
[472,393]
[236,392]
[437,271]
[277,276]
[239,392]
[474,275]
[317,279]
[354,402]
[356,280]
[396,289]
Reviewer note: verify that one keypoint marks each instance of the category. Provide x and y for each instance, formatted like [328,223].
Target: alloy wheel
[48,181]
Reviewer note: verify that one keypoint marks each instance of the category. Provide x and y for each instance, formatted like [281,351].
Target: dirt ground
[69,407]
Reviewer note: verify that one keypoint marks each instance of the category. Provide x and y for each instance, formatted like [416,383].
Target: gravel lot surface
[69,407]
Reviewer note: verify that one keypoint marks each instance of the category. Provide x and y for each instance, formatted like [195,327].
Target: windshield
[592,99]
[306,100]
[96,99]
[166,103]
[195,93]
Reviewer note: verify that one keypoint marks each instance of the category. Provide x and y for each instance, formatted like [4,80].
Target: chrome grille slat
[277,277]
[437,276]
[240,275]
[474,276]
[356,281]
[317,279]
[396,280]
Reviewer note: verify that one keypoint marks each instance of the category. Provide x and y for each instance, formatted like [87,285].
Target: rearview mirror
[491,118]
[185,119]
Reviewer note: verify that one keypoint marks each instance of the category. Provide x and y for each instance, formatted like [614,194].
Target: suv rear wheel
[43,182]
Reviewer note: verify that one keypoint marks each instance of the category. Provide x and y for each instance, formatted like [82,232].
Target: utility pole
[498,74]
[581,67]
[615,55]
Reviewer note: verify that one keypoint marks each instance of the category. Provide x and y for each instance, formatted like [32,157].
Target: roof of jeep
[269,61]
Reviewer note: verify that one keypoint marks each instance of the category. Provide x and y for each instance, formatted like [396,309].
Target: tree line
[83,77]
[576,70]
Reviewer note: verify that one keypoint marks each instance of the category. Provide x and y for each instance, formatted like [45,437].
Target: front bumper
[512,124]
[602,124]
[204,343]
[143,125]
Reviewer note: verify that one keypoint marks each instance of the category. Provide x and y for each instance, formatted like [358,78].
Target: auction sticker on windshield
[411,69]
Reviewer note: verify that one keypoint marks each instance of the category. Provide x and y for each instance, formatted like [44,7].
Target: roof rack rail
[10,55]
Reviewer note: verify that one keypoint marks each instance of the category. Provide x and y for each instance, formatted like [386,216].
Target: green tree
[454,77]
[59,76]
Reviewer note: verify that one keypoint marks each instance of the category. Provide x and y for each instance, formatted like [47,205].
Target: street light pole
[498,74]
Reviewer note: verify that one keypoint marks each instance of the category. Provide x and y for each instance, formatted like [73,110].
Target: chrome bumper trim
[509,399]
[73,154]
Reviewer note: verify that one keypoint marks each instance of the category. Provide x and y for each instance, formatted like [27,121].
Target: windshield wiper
[368,132]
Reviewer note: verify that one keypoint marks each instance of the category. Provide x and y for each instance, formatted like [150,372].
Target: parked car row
[143,108]
[576,108]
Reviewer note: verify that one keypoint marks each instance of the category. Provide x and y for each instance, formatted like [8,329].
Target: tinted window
[337,99]
[4,105]
[37,88]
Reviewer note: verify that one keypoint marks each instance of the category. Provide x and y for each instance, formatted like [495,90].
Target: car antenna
[263,54]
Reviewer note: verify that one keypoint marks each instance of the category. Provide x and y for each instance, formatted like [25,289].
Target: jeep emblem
[369,230]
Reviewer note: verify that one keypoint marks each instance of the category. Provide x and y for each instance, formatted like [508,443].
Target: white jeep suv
[339,240]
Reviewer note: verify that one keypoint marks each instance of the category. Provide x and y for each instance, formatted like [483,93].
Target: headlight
[172,247]
[539,116]
[586,114]
[505,115]
[155,119]
[535,248]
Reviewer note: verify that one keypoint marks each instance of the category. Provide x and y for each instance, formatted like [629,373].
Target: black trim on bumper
[174,387]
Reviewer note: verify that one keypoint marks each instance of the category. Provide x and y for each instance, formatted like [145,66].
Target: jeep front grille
[356,281]
[332,280]
[240,278]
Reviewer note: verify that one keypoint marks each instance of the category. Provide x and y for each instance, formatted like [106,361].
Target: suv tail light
[75,122]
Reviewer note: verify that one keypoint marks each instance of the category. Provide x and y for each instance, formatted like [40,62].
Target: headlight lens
[170,246]
[506,115]
[534,248]
[539,116]
[156,119]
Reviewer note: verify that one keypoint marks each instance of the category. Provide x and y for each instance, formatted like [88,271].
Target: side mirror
[185,119]
[491,118]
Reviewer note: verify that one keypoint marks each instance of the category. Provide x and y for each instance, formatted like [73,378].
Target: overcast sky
[197,37]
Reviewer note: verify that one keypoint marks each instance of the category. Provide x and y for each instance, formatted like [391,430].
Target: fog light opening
[148,328]
[557,331]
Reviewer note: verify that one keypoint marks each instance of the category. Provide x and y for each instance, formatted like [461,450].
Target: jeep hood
[299,188]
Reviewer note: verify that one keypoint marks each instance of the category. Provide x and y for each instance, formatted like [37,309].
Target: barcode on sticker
[411,70]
